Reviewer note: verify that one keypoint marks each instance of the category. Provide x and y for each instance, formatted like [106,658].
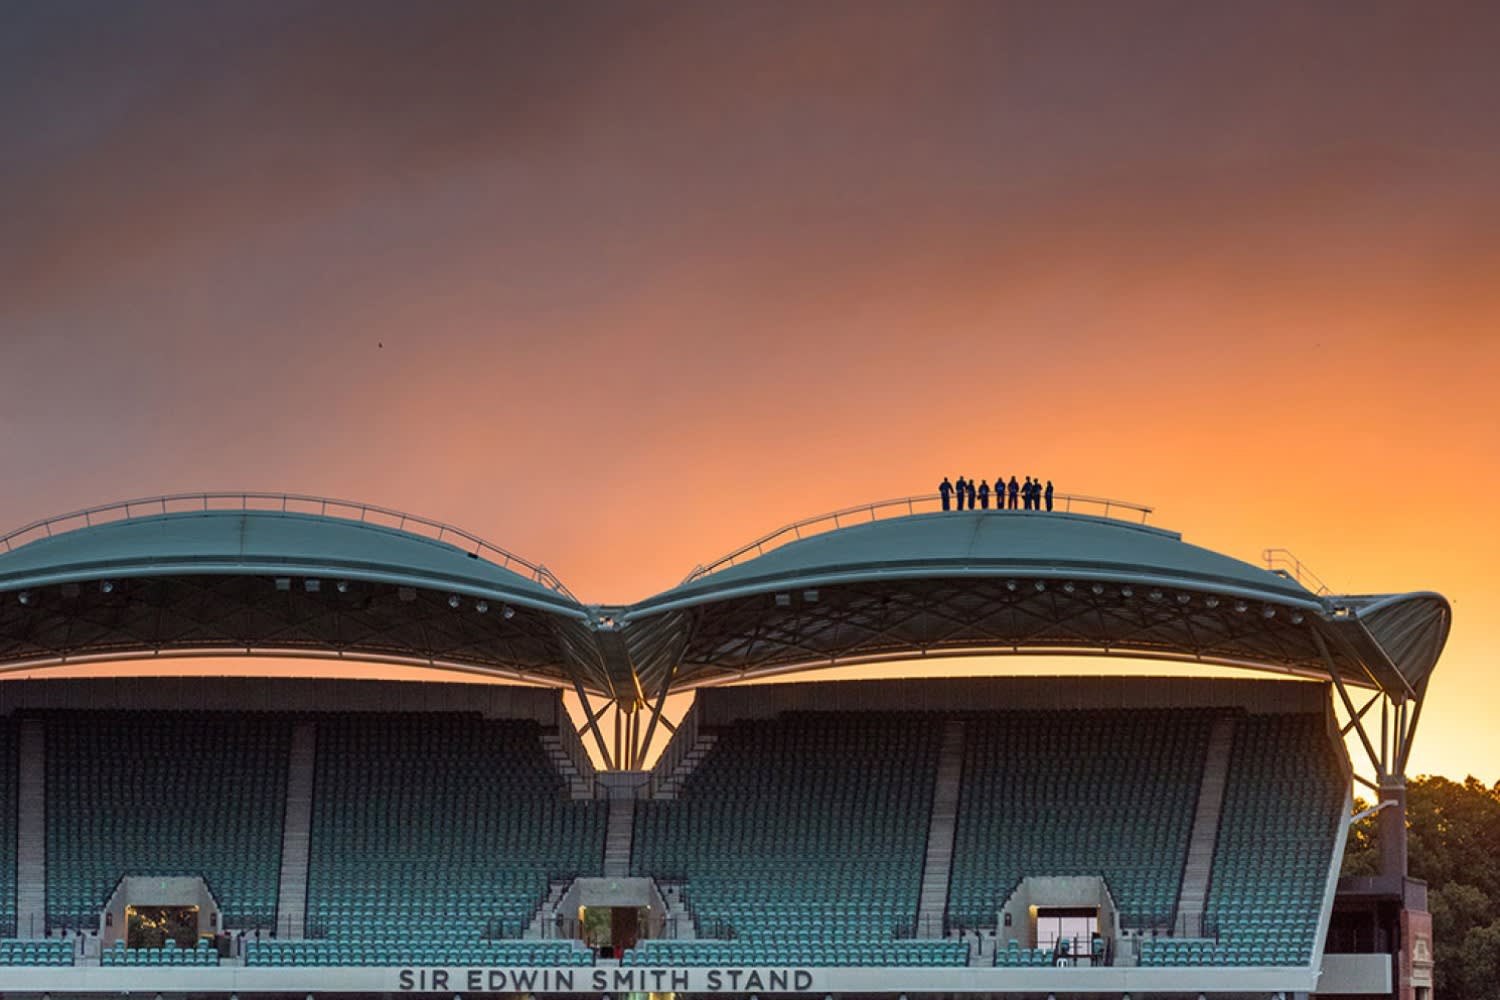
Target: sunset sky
[620,286]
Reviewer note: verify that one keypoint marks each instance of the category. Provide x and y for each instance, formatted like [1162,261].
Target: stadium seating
[357,951]
[1108,793]
[1281,814]
[803,835]
[433,836]
[164,793]
[9,752]
[50,951]
[908,952]
[1012,955]
[202,953]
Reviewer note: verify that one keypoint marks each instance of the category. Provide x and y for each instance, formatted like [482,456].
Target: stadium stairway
[546,912]
[936,870]
[291,895]
[1193,896]
[672,784]
[684,928]
[31,831]
[579,786]
[619,832]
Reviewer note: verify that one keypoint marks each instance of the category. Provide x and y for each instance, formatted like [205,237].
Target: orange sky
[653,281]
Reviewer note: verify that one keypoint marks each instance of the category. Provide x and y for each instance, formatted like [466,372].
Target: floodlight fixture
[454,600]
[483,607]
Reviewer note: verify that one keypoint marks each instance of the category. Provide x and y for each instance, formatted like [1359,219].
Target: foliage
[1454,846]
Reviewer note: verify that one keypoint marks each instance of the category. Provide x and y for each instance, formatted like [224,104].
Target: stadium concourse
[1021,836]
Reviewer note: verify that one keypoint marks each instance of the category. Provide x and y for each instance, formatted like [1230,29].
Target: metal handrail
[286,503]
[1283,561]
[903,507]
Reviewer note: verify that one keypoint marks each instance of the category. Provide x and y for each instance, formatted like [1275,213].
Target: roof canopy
[315,577]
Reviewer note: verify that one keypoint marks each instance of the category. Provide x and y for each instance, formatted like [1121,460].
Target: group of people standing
[1030,495]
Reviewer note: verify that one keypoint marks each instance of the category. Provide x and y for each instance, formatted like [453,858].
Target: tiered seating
[202,953]
[9,752]
[340,952]
[1107,793]
[1012,955]
[431,835]
[1281,815]
[802,835]
[51,951]
[1179,951]
[908,952]
[165,793]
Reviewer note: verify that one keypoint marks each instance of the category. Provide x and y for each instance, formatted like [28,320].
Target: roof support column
[1355,715]
[593,723]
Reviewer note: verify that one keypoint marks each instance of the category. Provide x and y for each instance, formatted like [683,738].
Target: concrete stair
[618,834]
[296,841]
[933,902]
[679,918]
[982,952]
[671,786]
[31,831]
[1193,897]
[543,921]
[579,786]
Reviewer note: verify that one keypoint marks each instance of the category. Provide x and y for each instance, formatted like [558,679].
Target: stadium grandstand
[1037,836]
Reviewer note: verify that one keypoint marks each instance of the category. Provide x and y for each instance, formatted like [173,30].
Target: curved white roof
[266,543]
[991,543]
[282,580]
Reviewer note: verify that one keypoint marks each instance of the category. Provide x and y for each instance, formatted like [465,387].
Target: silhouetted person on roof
[1026,494]
[945,489]
[984,495]
[963,491]
[971,494]
[1014,489]
[1048,494]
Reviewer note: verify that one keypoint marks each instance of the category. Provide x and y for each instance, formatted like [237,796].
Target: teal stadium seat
[1281,814]
[9,754]
[433,841]
[47,951]
[1108,793]
[202,953]
[800,840]
[164,793]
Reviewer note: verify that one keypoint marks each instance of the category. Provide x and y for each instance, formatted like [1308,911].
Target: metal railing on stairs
[1284,563]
